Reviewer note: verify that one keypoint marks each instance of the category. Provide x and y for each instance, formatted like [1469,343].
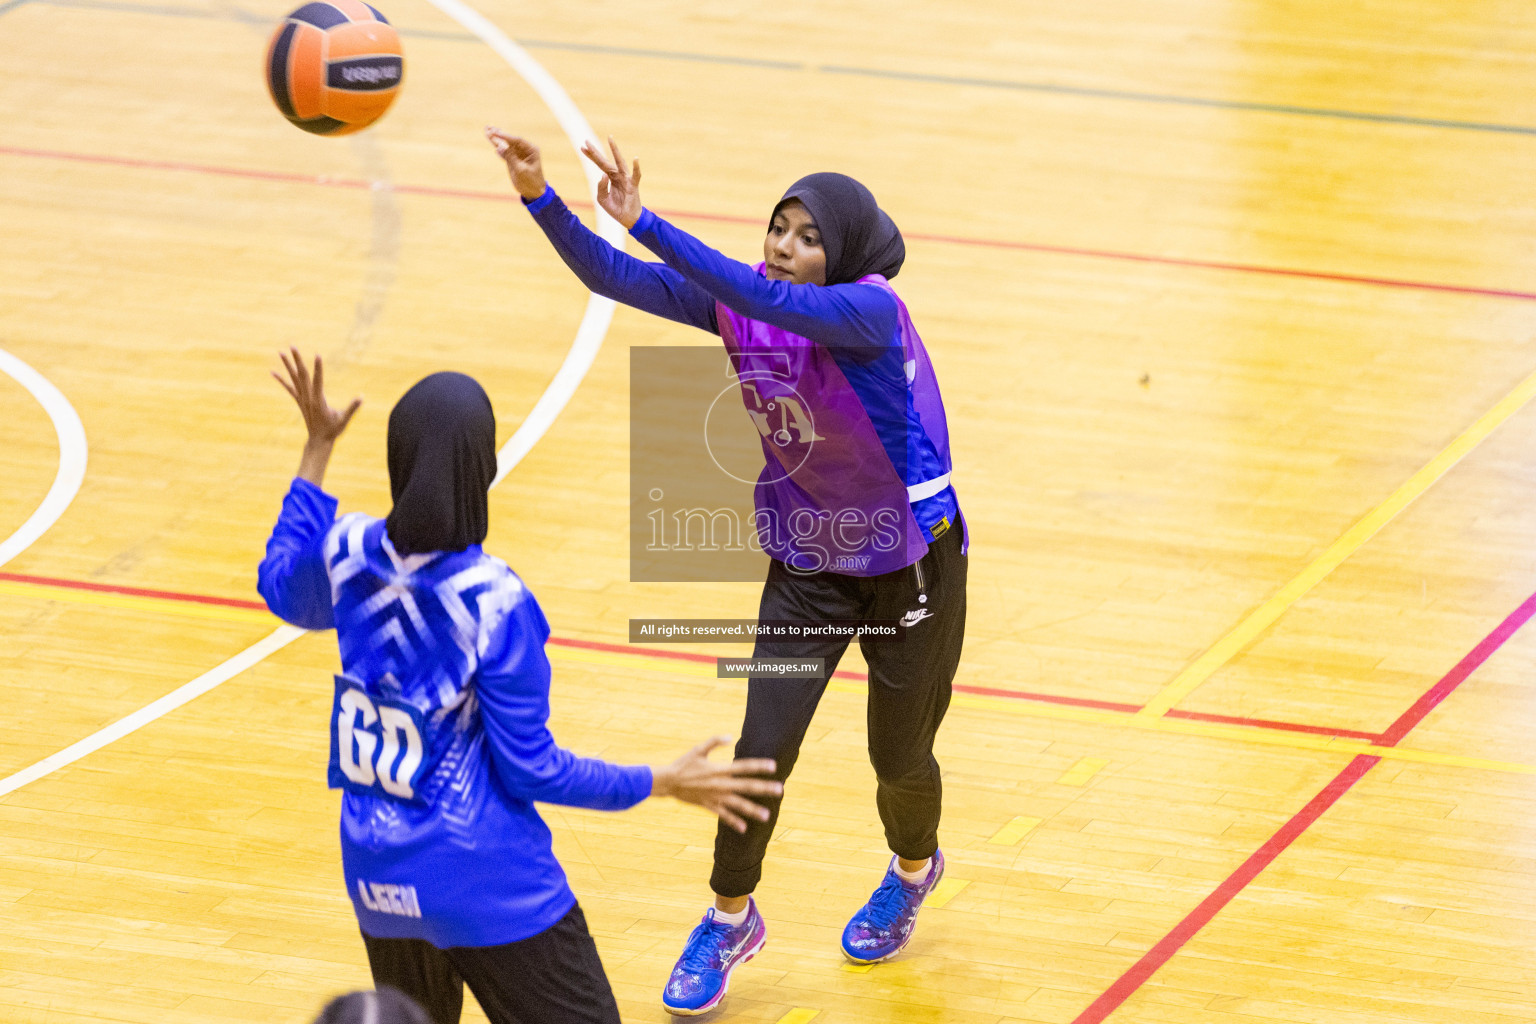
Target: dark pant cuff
[733,884]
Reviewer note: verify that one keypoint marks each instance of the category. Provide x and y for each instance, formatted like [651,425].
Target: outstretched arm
[650,287]
[843,314]
[292,577]
[513,691]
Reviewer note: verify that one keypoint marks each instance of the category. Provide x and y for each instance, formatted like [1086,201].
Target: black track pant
[909,689]
[555,977]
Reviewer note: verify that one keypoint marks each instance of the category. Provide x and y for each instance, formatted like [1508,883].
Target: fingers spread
[753,766]
[301,371]
[591,152]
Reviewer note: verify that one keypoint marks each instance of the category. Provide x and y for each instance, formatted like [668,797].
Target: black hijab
[859,238]
[442,459]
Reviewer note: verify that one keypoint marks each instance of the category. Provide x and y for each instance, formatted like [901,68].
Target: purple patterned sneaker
[883,926]
[703,972]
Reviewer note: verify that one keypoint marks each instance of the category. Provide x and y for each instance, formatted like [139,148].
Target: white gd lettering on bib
[376,743]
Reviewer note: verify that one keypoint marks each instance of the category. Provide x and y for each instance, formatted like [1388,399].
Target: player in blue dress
[438,723]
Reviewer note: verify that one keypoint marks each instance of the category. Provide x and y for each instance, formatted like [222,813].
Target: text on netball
[367,74]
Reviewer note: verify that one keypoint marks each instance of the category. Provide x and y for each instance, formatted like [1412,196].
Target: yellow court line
[799,1015]
[1080,773]
[135,602]
[947,889]
[1011,833]
[1261,618]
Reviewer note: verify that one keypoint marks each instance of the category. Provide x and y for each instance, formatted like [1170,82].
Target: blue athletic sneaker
[714,950]
[883,926]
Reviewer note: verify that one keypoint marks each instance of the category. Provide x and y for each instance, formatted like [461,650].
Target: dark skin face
[792,249]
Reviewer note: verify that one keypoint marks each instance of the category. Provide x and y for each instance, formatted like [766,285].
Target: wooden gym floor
[1234,304]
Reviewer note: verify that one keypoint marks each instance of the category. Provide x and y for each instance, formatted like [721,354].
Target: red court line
[1185,930]
[1246,268]
[1048,698]
[1454,678]
[694,656]
[984,691]
[1270,723]
[1196,919]
[989,243]
[113,588]
[657,652]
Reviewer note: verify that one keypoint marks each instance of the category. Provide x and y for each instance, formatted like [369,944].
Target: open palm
[308,390]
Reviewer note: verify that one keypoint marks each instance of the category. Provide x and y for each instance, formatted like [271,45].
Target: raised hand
[523,163]
[723,788]
[618,191]
[323,423]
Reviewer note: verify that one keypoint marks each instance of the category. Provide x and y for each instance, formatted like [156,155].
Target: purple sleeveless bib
[829,498]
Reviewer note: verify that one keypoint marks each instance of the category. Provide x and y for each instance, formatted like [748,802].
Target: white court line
[594,325]
[589,338]
[72,455]
[277,640]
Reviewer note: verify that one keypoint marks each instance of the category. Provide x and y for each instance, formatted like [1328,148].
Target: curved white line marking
[594,323]
[278,639]
[589,338]
[72,455]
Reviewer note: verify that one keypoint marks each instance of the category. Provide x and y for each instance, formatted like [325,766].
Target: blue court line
[1013,85]
[1169,98]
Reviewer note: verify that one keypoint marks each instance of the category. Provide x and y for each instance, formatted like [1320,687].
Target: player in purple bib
[854,506]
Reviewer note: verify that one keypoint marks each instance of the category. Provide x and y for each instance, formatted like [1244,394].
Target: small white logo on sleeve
[399,900]
[915,616]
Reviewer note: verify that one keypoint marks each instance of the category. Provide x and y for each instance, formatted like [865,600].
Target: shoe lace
[703,946]
[887,902]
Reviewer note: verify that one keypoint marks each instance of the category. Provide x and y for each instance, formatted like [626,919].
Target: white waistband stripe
[928,488]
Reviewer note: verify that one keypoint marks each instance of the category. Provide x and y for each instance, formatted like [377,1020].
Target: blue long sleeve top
[858,323]
[439,728]
[692,276]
